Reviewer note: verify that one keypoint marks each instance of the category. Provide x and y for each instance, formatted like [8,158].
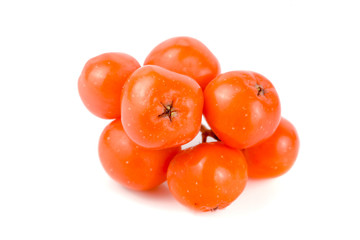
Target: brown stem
[205,133]
[169,111]
[260,89]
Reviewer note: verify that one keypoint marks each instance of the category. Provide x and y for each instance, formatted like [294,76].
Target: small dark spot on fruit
[214,209]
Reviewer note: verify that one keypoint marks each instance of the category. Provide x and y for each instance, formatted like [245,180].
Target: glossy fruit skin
[186,56]
[160,108]
[101,82]
[242,108]
[208,176]
[276,155]
[130,164]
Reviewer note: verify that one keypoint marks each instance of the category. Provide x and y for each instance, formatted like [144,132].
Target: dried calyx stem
[260,90]
[205,133]
[168,111]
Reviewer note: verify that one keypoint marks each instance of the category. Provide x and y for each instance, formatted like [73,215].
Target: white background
[52,185]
